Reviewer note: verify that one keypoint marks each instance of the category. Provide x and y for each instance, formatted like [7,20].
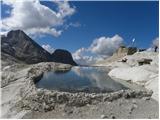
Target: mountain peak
[19,45]
[63,56]
[15,32]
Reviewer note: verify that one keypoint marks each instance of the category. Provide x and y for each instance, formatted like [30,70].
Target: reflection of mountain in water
[61,71]
[80,79]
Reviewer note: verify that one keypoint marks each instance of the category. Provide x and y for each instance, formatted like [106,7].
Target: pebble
[109,102]
[113,117]
[68,111]
[104,116]
[120,104]
[146,98]
[35,109]
[132,108]
[47,107]
[134,101]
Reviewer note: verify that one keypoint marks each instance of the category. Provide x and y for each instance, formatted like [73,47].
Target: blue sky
[130,20]
[85,27]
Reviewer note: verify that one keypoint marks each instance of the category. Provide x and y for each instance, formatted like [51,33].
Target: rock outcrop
[140,68]
[63,56]
[124,50]
[21,47]
[131,50]
[118,55]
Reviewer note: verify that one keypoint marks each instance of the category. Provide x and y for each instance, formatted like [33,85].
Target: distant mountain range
[20,46]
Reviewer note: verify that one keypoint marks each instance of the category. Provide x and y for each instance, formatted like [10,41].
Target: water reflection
[98,77]
[84,79]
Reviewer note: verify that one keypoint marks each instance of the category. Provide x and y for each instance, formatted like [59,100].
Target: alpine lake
[80,79]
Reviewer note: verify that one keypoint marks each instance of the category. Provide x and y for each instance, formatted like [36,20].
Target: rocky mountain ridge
[20,46]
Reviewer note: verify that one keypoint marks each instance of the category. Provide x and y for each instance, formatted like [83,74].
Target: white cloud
[33,17]
[76,24]
[81,58]
[48,48]
[8,2]
[84,60]
[100,49]
[156,42]
[51,31]
[79,53]
[64,8]
[106,45]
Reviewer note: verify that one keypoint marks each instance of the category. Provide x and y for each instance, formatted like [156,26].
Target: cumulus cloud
[47,30]
[79,53]
[48,48]
[81,58]
[99,49]
[106,45]
[85,59]
[35,18]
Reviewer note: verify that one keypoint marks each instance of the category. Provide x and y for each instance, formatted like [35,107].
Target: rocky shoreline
[44,100]
[30,99]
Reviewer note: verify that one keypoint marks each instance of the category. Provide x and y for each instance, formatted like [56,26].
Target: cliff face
[20,46]
[63,56]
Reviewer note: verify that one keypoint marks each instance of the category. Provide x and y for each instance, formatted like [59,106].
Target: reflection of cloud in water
[62,80]
[89,79]
[98,77]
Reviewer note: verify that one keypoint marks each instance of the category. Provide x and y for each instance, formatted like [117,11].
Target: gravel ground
[118,109]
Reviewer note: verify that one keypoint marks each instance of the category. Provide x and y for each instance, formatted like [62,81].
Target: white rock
[135,74]
[104,116]
[146,75]
[153,85]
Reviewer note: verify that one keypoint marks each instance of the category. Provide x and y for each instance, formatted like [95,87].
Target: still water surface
[80,79]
